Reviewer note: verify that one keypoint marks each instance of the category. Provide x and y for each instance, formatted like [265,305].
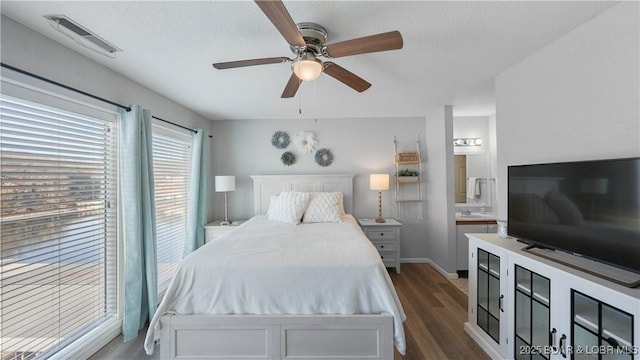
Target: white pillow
[341,205]
[272,202]
[323,207]
[289,207]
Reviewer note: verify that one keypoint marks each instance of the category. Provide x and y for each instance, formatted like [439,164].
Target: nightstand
[386,238]
[214,230]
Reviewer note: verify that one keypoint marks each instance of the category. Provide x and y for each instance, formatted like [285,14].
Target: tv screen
[588,208]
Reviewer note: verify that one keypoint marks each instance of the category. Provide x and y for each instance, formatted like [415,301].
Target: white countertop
[476,217]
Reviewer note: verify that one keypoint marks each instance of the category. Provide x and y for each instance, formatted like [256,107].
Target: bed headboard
[264,186]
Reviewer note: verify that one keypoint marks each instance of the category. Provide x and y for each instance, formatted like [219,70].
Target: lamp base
[225,222]
[380,219]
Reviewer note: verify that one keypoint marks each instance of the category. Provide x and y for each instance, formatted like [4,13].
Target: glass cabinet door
[532,315]
[600,331]
[489,298]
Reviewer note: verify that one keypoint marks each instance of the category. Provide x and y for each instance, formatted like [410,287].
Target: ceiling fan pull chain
[315,96]
[300,102]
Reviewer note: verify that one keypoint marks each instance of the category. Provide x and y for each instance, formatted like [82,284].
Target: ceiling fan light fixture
[307,67]
[308,41]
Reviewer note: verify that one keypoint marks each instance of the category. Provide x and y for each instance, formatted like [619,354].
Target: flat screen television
[586,208]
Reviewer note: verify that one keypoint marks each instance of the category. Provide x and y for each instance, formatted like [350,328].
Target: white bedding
[265,267]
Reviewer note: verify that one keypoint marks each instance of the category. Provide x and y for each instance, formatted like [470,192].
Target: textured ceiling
[452,51]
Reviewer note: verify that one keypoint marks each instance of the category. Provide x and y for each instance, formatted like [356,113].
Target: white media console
[523,305]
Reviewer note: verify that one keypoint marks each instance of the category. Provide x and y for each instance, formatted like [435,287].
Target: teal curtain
[197,199]
[137,220]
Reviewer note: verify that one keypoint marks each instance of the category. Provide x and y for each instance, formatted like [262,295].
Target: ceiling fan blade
[279,16]
[345,76]
[373,43]
[251,62]
[292,87]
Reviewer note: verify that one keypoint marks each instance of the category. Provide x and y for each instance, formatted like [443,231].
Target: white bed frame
[309,337]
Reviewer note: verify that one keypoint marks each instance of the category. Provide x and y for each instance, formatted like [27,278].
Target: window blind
[171,168]
[57,226]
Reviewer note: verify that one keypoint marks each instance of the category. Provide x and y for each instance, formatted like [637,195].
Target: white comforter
[265,267]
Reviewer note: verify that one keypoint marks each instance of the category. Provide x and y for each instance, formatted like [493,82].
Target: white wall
[493,151]
[575,99]
[28,50]
[471,127]
[440,201]
[360,146]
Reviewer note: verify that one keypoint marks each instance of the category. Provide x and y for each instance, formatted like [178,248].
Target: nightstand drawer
[385,237]
[383,246]
[213,234]
[214,230]
[389,259]
[381,234]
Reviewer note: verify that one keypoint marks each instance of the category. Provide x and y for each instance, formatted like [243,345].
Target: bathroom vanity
[468,224]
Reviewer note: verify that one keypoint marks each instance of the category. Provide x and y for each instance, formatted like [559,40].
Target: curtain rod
[24,72]
[174,124]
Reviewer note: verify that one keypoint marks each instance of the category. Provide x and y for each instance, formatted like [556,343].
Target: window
[171,167]
[57,225]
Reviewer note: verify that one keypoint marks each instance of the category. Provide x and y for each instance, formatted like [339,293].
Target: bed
[271,290]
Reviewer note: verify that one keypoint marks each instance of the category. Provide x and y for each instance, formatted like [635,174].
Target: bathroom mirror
[472,179]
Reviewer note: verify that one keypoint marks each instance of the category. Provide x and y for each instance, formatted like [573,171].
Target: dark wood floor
[435,309]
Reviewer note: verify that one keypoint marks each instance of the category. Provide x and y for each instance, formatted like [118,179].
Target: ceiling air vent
[81,35]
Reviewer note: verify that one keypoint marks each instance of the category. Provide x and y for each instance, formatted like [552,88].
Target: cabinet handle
[500,301]
[381,234]
[381,246]
[613,342]
[552,338]
[563,345]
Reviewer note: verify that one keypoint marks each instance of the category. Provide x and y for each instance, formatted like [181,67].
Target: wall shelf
[407,179]
[409,162]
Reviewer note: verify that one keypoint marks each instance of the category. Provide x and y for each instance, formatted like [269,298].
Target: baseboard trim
[415,260]
[432,263]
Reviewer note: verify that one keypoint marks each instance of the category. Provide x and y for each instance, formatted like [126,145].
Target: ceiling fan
[308,42]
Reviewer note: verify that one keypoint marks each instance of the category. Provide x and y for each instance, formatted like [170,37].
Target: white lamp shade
[225,183]
[379,182]
[307,67]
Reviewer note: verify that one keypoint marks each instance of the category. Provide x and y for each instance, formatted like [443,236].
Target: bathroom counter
[475,218]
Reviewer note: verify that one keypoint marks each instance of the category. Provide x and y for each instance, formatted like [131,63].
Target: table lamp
[379,182]
[225,184]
